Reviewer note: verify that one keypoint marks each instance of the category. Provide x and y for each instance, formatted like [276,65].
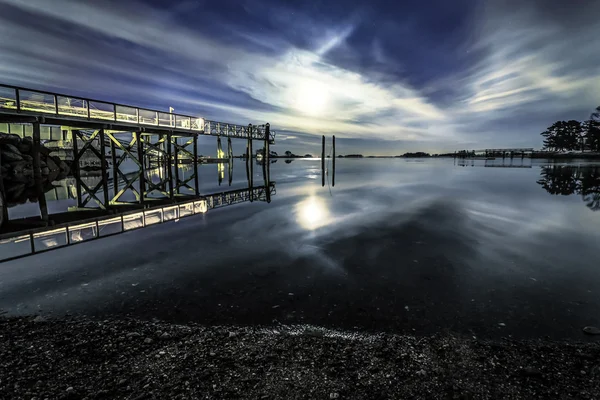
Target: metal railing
[26,243]
[23,100]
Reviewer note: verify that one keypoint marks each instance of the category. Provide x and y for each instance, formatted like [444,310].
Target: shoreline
[78,358]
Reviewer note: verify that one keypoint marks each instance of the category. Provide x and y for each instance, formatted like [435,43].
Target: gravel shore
[132,359]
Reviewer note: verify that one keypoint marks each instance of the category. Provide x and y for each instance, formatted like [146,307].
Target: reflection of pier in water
[78,225]
[495,163]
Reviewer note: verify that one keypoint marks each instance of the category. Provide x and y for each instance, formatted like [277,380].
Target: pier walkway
[27,105]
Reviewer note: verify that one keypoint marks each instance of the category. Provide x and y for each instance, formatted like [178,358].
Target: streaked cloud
[507,72]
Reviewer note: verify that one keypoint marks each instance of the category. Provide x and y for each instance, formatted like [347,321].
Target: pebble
[591,330]
[133,334]
[165,336]
[529,371]
[232,334]
[334,395]
[422,373]
[39,318]
[148,340]
[502,324]
[70,389]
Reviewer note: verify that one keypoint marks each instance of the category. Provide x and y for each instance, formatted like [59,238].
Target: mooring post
[115,168]
[37,171]
[176,159]
[267,143]
[323,161]
[142,160]
[267,178]
[169,169]
[75,165]
[104,169]
[197,188]
[219,147]
[333,164]
[3,205]
[251,153]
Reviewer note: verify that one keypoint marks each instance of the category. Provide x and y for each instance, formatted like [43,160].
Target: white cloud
[528,65]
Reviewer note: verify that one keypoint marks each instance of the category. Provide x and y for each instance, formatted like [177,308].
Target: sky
[385,77]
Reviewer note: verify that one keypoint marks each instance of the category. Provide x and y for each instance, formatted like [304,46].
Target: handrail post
[157,121]
[115,112]
[18,99]
[88,108]
[56,104]
[137,113]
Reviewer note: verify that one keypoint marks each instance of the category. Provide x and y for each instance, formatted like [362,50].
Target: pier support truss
[157,157]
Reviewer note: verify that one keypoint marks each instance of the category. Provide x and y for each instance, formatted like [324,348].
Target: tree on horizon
[595,116]
[574,135]
[591,130]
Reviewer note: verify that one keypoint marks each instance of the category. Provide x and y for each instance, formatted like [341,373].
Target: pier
[123,163]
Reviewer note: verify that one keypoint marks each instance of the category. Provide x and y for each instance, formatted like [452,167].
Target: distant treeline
[417,154]
[574,135]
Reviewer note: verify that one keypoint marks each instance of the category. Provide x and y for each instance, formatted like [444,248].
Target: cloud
[532,64]
[521,67]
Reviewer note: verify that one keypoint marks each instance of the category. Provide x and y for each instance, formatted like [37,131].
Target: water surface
[422,246]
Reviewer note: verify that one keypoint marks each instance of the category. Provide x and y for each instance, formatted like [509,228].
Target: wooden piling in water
[142,160]
[3,205]
[115,169]
[333,163]
[196,187]
[104,165]
[37,172]
[250,164]
[169,165]
[323,161]
[267,143]
[176,165]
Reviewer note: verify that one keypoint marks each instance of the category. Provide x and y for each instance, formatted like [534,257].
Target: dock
[110,138]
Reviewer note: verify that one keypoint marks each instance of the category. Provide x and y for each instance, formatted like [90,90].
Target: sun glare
[312,213]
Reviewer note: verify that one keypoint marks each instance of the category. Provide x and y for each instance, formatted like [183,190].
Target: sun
[310,97]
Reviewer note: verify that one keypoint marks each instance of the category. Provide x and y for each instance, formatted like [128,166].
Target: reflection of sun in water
[312,213]
[310,97]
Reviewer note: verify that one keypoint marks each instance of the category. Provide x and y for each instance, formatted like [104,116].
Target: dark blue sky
[383,76]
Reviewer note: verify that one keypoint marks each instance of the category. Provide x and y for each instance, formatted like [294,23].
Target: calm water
[397,245]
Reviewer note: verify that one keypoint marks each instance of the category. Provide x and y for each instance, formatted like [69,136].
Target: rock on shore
[131,359]
[16,169]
